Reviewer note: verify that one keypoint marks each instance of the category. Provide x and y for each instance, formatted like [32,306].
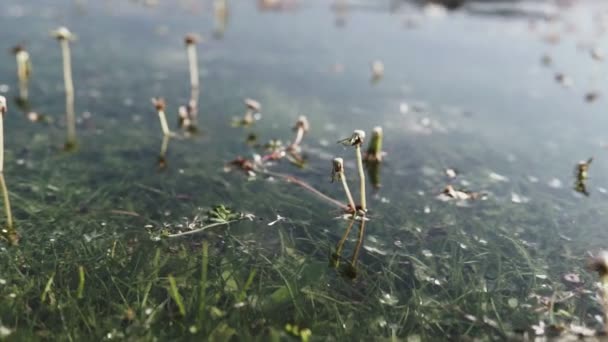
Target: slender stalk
[301,127]
[359,243]
[338,172]
[303,184]
[201,229]
[191,41]
[164,146]
[340,245]
[159,104]
[23,71]
[69,91]
[81,280]
[192,60]
[361,177]
[604,284]
[374,150]
[221,17]
[163,123]
[7,204]
[2,100]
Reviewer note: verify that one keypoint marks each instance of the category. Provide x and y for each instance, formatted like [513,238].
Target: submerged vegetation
[106,244]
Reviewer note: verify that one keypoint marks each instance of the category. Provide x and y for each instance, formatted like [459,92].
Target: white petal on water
[533,179]
[404,108]
[427,253]
[516,198]
[497,177]
[555,183]
[427,209]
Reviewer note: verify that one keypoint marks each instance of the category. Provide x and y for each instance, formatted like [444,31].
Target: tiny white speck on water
[497,177]
[555,183]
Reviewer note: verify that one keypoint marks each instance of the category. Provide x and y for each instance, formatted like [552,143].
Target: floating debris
[564,80]
[497,177]
[597,54]
[555,183]
[449,193]
[515,198]
[591,96]
[451,173]
[377,70]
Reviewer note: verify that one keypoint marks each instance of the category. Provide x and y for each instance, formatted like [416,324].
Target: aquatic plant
[337,172]
[374,149]
[162,156]
[253,109]
[159,105]
[220,10]
[3,110]
[581,173]
[192,109]
[9,232]
[301,127]
[191,40]
[64,36]
[24,69]
[356,140]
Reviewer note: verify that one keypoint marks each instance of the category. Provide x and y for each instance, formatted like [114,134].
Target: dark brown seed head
[191,39]
[159,103]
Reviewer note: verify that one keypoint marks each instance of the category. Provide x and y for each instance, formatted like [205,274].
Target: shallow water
[464,90]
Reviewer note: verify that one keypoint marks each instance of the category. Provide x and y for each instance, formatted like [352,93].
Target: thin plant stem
[69,91]
[361,177]
[604,284]
[193,62]
[203,284]
[299,136]
[23,73]
[7,203]
[1,142]
[164,146]
[310,188]
[163,123]
[340,244]
[81,280]
[201,229]
[359,243]
[348,193]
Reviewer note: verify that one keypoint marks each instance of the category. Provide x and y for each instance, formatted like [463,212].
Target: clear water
[466,91]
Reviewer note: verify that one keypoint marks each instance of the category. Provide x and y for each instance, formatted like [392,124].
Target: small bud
[62,33]
[253,105]
[302,123]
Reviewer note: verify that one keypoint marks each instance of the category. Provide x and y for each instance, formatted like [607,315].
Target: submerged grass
[88,267]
